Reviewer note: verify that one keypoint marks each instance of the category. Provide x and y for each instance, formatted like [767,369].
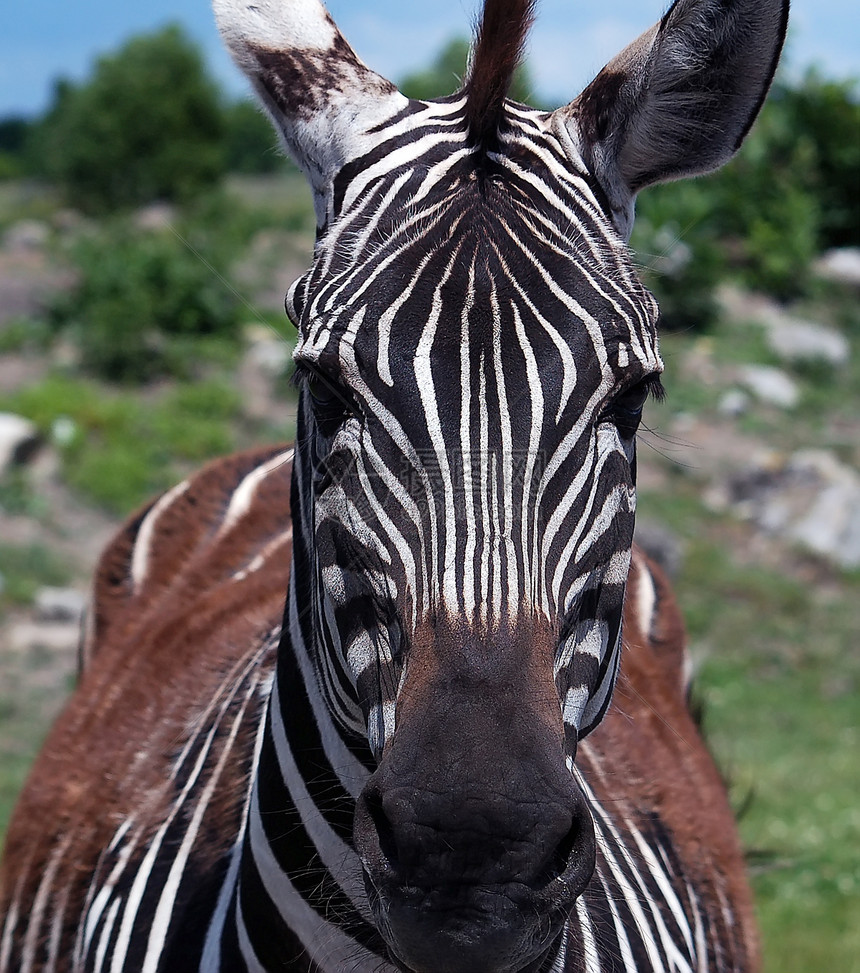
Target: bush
[142,300]
[14,134]
[148,125]
[250,142]
[679,255]
[812,135]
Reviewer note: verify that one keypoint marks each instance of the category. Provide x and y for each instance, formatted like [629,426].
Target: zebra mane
[498,49]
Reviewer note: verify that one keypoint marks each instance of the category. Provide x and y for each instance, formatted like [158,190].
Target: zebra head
[474,354]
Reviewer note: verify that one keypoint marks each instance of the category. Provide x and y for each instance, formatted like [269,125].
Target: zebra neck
[299,888]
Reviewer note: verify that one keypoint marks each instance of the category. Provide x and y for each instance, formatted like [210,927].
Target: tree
[148,125]
[249,139]
[808,141]
[14,132]
[143,299]
[446,74]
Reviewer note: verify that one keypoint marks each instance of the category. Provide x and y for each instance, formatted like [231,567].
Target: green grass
[788,736]
[26,568]
[779,675]
[17,497]
[23,335]
[119,449]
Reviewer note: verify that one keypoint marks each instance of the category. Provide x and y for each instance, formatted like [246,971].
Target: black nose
[428,839]
[462,882]
[474,835]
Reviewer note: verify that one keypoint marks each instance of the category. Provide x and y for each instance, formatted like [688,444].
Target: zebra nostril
[565,850]
[574,857]
[385,839]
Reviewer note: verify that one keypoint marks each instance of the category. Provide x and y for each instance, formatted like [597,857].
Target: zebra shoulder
[224,522]
[187,608]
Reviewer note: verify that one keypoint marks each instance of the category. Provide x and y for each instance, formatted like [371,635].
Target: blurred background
[149,229]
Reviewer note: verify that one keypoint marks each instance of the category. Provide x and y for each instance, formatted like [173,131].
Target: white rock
[792,339]
[155,217]
[674,254]
[734,402]
[64,430]
[26,235]
[59,605]
[19,440]
[60,637]
[789,337]
[841,265]
[770,385]
[271,356]
[831,523]
[810,498]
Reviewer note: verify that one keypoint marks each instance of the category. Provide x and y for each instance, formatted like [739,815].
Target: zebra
[414,764]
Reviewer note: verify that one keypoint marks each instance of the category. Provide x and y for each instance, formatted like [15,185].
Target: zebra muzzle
[474,836]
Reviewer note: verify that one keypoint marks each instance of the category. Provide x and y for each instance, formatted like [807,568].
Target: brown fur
[159,654]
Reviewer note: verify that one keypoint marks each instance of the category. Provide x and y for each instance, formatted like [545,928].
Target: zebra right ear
[323,100]
[294,302]
[678,101]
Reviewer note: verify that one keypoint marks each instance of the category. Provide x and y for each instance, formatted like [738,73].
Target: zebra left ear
[324,101]
[680,100]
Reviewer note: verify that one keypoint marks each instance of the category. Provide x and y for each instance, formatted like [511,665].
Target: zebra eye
[331,404]
[632,402]
[323,390]
[625,410]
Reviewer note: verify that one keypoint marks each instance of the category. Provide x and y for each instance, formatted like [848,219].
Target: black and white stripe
[288,892]
[496,490]
[474,351]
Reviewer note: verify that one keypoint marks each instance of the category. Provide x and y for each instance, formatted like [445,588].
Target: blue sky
[44,39]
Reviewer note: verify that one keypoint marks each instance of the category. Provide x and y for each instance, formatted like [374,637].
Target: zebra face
[474,353]
[473,373]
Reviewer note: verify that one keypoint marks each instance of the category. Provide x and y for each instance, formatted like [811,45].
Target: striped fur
[415,765]
[150,869]
[533,538]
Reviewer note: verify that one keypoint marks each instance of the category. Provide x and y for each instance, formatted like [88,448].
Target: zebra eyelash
[654,388]
[332,404]
[624,409]
[631,399]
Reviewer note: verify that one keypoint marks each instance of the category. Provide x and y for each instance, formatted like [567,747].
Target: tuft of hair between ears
[498,50]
